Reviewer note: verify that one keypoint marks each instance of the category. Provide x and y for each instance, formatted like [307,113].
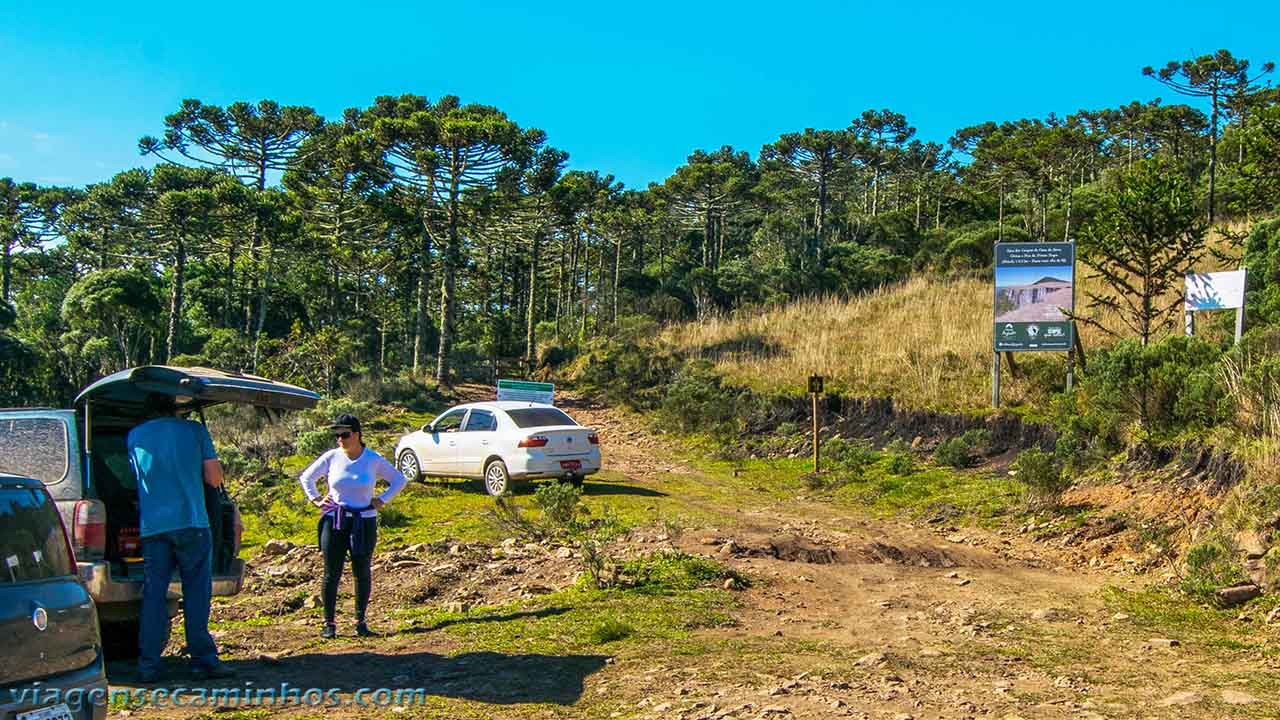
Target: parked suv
[51,665]
[81,458]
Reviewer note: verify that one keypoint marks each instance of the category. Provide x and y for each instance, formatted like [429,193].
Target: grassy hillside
[925,342]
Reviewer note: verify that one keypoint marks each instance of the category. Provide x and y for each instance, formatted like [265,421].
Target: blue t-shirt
[168,457]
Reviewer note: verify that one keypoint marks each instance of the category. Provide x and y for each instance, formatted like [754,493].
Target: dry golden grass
[925,342]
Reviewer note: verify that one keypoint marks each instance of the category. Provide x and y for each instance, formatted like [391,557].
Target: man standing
[174,459]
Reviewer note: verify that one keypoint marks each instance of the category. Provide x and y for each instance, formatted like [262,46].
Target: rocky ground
[823,612]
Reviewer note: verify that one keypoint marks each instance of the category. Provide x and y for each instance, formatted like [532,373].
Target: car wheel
[409,466]
[497,481]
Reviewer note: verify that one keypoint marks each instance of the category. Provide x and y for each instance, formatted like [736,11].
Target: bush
[558,502]
[697,401]
[313,443]
[609,630]
[1042,475]
[674,570]
[1211,565]
[959,452]
[898,458]
[848,456]
[1167,387]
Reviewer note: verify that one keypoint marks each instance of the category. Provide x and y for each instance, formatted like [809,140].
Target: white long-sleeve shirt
[351,482]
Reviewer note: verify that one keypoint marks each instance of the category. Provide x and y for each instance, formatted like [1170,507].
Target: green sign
[526,391]
[1034,293]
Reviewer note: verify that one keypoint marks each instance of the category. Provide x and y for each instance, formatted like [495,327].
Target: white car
[500,442]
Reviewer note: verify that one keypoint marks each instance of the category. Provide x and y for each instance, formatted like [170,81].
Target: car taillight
[89,530]
[594,439]
[533,441]
[237,531]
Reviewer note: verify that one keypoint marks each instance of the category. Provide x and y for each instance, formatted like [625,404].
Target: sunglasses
[342,435]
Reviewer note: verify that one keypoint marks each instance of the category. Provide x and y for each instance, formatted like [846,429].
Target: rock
[952,575]
[729,548]
[313,601]
[564,553]
[1251,543]
[1237,594]
[1274,615]
[662,708]
[1163,643]
[775,710]
[417,548]
[274,548]
[455,549]
[1182,698]
[402,564]
[730,584]
[875,658]
[962,582]
[1047,614]
[1236,697]
[509,543]
[904,716]
[1121,617]
[455,606]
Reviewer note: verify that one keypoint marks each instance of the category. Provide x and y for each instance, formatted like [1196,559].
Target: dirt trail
[845,616]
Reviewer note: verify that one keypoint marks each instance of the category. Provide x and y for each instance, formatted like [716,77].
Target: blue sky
[626,88]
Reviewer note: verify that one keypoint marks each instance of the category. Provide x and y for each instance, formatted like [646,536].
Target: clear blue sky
[625,88]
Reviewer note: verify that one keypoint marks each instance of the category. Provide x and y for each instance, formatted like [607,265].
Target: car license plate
[53,712]
[570,464]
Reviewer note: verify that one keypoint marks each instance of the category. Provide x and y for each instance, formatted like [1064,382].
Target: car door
[475,442]
[439,452]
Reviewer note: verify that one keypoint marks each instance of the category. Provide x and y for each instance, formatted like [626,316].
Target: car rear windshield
[34,447]
[539,417]
[31,541]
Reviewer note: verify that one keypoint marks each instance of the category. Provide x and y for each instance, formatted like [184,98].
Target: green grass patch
[1165,612]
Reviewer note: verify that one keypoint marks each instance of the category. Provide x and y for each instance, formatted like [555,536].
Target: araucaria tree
[1148,235]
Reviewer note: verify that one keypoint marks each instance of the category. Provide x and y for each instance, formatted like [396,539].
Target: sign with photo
[1034,292]
[1215,291]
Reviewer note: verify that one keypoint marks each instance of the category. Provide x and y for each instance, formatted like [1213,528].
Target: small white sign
[1215,291]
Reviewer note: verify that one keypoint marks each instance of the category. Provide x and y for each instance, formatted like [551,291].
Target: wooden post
[816,465]
[815,389]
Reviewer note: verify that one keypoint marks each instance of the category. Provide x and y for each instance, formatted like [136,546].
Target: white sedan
[500,442]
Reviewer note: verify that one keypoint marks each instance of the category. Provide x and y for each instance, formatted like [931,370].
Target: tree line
[436,236]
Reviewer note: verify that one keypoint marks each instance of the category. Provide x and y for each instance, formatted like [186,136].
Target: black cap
[346,422]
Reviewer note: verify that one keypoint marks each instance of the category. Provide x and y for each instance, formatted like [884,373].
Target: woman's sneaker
[329,632]
[363,631]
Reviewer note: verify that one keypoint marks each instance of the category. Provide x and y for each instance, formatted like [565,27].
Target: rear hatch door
[47,619]
[121,396]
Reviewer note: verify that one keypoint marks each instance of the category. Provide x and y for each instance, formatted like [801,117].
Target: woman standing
[349,514]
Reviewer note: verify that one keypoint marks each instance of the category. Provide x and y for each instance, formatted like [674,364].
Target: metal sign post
[815,389]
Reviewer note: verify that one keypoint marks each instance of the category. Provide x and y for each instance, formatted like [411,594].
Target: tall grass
[925,342]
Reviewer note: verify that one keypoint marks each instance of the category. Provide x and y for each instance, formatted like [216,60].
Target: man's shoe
[216,672]
[363,631]
[329,632]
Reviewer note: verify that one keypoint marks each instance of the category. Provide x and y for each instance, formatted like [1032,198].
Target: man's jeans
[191,550]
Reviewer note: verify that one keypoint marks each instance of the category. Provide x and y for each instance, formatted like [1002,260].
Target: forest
[445,240]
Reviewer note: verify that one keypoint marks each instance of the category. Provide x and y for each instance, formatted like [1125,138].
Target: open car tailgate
[194,387]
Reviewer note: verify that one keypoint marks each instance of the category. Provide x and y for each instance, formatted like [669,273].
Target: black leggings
[336,544]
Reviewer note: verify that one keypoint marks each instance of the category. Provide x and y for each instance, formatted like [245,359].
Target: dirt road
[844,615]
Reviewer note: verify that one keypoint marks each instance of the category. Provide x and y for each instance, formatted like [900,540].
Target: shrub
[392,516]
[1167,387]
[958,452]
[609,630]
[1211,564]
[1042,475]
[697,401]
[898,458]
[848,456]
[314,442]
[558,502]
